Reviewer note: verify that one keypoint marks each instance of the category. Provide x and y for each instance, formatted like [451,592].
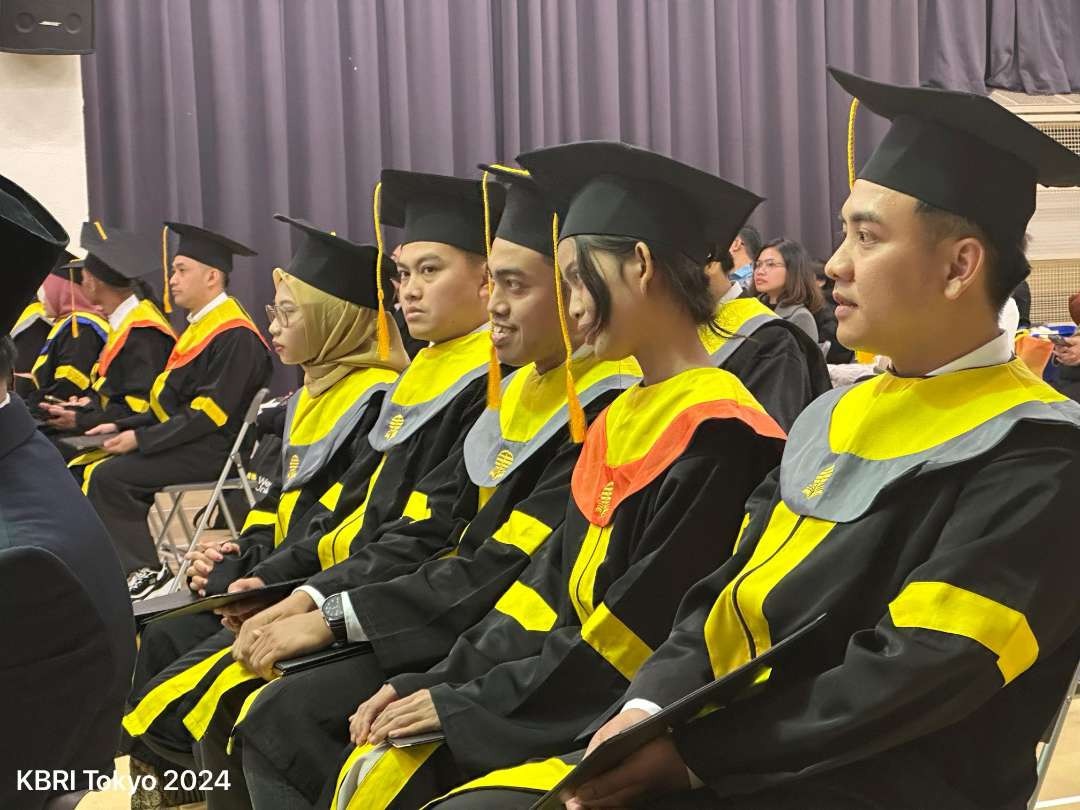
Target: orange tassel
[74,314]
[573,404]
[382,327]
[494,378]
[165,269]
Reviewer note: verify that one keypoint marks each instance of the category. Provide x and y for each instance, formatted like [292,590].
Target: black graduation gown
[69,634]
[64,362]
[29,334]
[777,361]
[130,361]
[438,397]
[653,505]
[197,405]
[944,560]
[523,457]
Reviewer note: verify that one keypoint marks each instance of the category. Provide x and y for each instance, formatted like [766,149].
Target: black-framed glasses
[278,314]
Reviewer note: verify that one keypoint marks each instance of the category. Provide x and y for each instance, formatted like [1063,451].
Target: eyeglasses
[278,314]
[770,264]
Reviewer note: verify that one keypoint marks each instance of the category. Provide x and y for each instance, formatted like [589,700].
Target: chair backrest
[256,403]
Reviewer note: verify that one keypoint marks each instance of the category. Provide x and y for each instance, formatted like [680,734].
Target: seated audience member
[785,282]
[925,514]
[777,361]
[29,333]
[744,252]
[825,318]
[197,405]
[140,338]
[64,363]
[69,636]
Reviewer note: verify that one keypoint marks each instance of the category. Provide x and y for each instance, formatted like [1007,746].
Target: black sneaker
[142,581]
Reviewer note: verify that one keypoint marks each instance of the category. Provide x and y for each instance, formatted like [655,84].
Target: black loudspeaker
[47,26]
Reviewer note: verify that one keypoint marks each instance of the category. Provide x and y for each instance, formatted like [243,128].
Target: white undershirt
[122,312]
[219,299]
[733,292]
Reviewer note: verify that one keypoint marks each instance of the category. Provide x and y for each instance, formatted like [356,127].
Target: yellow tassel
[573,405]
[165,269]
[74,315]
[101,231]
[851,143]
[382,327]
[494,379]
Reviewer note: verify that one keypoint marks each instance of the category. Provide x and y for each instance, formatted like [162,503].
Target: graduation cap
[202,245]
[113,255]
[436,208]
[961,152]
[344,269]
[31,241]
[614,189]
[526,215]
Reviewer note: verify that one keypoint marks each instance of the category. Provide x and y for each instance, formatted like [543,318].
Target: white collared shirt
[122,312]
[993,353]
[733,292]
[220,299]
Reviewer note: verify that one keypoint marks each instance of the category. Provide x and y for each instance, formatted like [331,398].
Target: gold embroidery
[294,465]
[603,503]
[397,421]
[502,464]
[817,486]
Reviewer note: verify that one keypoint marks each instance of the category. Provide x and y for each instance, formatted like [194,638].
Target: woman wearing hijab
[324,319]
[63,367]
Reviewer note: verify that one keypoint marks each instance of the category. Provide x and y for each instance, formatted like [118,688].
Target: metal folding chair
[225,482]
[1042,764]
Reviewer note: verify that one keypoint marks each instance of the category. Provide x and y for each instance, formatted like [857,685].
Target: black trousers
[122,491]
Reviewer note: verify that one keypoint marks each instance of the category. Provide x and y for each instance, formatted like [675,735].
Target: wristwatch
[333,613]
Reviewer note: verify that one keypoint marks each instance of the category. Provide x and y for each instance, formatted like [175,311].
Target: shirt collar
[122,312]
[993,353]
[733,292]
[202,313]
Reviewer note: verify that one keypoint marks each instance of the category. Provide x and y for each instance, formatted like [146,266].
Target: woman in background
[785,282]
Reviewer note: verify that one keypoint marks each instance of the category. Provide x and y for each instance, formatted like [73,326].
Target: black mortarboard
[115,256]
[526,216]
[435,208]
[207,247]
[614,189]
[31,241]
[65,264]
[962,153]
[336,266]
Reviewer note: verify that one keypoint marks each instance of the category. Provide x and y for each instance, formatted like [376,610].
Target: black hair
[7,362]
[1006,260]
[685,277]
[800,285]
[751,240]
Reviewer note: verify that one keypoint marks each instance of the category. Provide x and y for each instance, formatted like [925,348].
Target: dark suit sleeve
[57,668]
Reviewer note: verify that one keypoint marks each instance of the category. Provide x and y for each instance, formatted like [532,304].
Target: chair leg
[223,507]
[163,541]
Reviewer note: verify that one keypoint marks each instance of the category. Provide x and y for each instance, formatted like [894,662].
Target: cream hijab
[339,336]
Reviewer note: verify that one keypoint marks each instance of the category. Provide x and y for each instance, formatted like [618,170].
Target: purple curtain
[225,112]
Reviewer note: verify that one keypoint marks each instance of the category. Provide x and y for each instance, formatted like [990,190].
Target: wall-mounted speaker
[47,26]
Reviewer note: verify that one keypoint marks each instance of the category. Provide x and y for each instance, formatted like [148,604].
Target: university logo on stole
[817,486]
[502,464]
[397,422]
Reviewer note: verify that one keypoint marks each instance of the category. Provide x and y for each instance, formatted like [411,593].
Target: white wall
[42,141]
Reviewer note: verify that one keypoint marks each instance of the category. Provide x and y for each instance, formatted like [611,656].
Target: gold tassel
[101,231]
[165,269]
[74,314]
[851,143]
[573,405]
[382,327]
[494,378]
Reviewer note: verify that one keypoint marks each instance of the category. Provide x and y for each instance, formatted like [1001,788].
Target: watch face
[332,609]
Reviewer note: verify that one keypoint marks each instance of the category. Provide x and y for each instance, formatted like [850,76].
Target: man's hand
[60,417]
[244,624]
[122,443]
[284,639]
[414,714]
[1069,353]
[105,427]
[616,725]
[203,559]
[360,721]
[654,769]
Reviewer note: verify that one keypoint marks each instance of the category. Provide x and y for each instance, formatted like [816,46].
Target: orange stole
[598,489]
[182,358]
[109,353]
